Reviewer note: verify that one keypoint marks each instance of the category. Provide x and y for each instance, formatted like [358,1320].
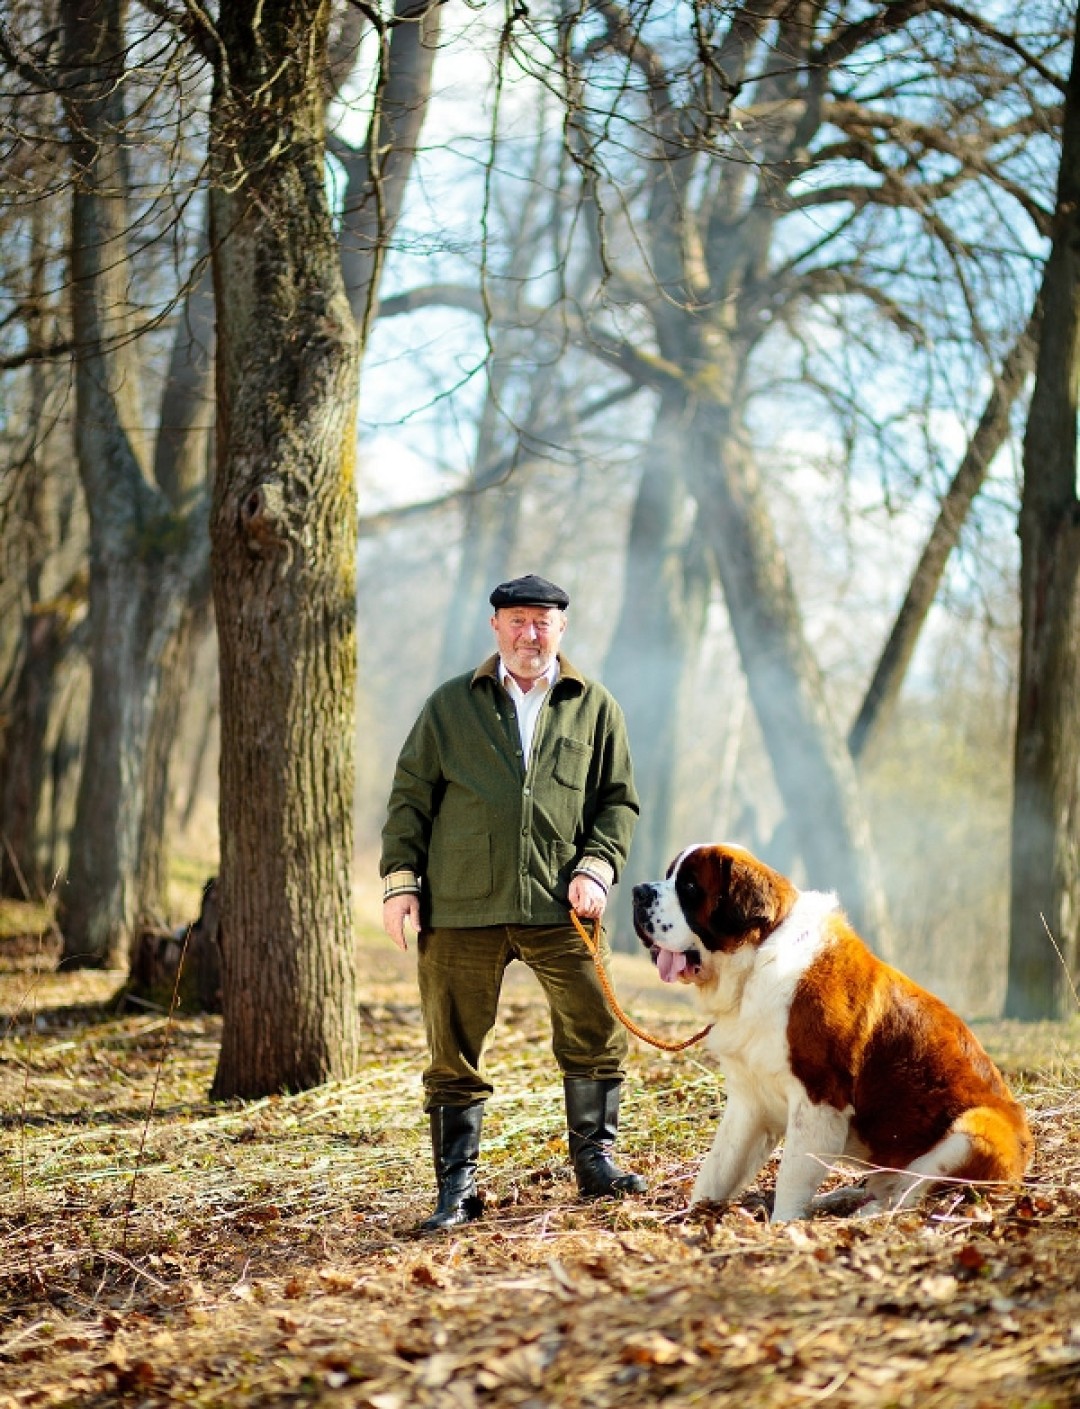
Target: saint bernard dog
[823,1044]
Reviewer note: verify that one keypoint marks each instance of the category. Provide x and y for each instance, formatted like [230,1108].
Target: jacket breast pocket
[572,757]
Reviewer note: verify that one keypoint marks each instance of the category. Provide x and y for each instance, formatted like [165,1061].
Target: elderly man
[512,803]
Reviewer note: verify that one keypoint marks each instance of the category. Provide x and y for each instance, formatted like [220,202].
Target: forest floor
[156,1249]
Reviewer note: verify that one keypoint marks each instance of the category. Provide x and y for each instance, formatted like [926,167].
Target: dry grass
[263,1254]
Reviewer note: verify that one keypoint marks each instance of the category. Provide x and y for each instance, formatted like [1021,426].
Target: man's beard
[531,665]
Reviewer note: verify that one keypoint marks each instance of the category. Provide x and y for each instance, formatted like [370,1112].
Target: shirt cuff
[598,870]
[400,883]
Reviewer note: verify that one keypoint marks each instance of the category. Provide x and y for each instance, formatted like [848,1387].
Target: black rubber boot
[592,1119]
[455,1143]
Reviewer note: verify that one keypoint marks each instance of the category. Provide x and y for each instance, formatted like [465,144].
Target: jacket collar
[567,673]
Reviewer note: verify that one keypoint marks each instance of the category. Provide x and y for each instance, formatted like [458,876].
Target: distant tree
[43,685]
[143,555]
[751,178]
[1044,948]
[784,206]
[992,432]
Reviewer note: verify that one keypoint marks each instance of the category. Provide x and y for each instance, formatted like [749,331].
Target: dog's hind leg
[742,1145]
[816,1136]
[894,1189]
[981,1146]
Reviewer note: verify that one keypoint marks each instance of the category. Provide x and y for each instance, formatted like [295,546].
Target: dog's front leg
[742,1145]
[815,1136]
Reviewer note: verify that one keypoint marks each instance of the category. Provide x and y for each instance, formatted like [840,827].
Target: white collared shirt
[528,704]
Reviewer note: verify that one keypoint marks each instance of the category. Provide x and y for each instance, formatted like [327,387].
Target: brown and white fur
[822,1043]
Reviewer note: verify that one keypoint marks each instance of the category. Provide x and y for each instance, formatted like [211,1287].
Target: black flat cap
[531,591]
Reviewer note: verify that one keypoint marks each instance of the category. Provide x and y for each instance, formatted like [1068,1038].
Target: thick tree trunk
[283,528]
[1044,943]
[990,434]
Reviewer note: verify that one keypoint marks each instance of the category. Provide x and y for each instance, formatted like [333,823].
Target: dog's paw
[842,1203]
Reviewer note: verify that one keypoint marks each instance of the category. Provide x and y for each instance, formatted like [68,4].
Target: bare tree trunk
[283,529]
[65,743]
[814,771]
[1045,902]
[28,860]
[186,419]
[660,625]
[180,469]
[378,173]
[492,514]
[152,866]
[488,535]
[135,583]
[990,434]
[44,550]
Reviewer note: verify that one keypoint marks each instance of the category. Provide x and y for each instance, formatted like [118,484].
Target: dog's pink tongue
[669,965]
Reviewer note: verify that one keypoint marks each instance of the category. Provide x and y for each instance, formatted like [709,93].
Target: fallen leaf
[656,1349]
[425,1276]
[798,1237]
[971,1259]
[337,1279]
[437,1370]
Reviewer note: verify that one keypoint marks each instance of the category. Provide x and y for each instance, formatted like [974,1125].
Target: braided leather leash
[592,944]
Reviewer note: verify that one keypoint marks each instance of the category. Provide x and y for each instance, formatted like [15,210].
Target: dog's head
[714,900]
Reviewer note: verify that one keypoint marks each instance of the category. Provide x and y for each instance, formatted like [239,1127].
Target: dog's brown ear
[751,900]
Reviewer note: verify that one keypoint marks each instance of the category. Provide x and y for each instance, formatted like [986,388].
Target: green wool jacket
[491,842]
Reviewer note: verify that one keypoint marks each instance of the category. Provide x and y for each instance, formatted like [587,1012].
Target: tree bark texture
[283,529]
[1044,946]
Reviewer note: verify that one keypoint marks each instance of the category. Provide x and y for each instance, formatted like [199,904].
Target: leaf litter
[264,1253]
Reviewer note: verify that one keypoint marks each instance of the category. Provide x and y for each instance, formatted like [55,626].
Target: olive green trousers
[460,972]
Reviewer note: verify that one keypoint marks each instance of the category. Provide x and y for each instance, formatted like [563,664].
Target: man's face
[528,638]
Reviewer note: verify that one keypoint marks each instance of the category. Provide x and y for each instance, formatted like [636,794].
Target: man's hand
[396,912]
[587,897]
